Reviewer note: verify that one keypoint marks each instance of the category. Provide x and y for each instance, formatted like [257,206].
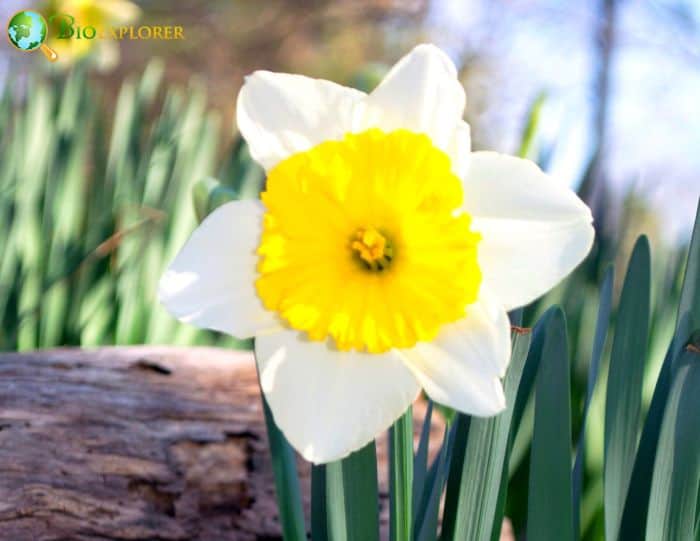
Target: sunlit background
[110,157]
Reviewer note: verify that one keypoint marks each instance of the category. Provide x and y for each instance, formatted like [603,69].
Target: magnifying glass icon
[27,31]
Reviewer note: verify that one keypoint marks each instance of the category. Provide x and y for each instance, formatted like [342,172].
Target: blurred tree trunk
[133,443]
[594,188]
[140,443]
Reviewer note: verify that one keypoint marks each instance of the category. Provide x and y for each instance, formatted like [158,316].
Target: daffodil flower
[102,15]
[382,257]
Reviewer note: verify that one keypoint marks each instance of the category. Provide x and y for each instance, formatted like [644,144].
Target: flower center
[364,242]
[373,249]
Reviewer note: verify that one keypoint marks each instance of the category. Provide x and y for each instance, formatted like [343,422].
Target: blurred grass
[88,220]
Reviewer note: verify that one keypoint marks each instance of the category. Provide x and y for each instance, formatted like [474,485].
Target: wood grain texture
[138,443]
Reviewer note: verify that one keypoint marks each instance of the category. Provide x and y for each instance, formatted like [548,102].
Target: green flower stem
[401,478]
[287,486]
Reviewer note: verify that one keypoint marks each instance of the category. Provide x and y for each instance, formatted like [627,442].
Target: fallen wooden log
[138,443]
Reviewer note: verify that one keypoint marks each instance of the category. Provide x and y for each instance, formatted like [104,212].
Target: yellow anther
[373,248]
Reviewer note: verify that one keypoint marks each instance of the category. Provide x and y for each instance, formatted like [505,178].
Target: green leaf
[401,478]
[514,381]
[527,146]
[286,480]
[246,176]
[688,320]
[460,425]
[676,477]
[522,396]
[624,392]
[636,506]
[319,530]
[208,195]
[550,512]
[601,331]
[484,461]
[426,523]
[532,364]
[420,463]
[516,316]
[352,501]
[150,80]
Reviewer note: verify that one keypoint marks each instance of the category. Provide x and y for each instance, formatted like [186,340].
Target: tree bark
[138,443]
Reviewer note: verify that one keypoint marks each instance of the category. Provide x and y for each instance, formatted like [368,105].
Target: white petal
[462,366]
[421,93]
[534,229]
[280,114]
[330,403]
[210,283]
[460,149]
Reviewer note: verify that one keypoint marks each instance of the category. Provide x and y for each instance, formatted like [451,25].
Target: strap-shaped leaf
[601,331]
[624,392]
[636,506]
[208,195]
[420,462]
[484,461]
[352,503]
[688,320]
[460,425]
[401,478]
[550,513]
[426,524]
[319,530]
[522,395]
[532,364]
[676,477]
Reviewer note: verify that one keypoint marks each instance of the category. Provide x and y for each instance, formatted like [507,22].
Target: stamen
[374,249]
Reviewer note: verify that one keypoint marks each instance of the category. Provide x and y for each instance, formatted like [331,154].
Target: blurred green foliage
[95,202]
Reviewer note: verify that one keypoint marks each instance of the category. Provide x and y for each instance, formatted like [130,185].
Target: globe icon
[27,30]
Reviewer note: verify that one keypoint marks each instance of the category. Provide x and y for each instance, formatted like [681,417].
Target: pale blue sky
[534,45]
